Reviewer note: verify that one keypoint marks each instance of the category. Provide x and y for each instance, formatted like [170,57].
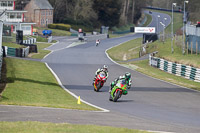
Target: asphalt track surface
[151,104]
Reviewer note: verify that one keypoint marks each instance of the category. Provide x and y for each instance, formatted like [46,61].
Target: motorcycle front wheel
[117,96]
[98,87]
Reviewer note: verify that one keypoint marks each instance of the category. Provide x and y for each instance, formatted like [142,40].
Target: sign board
[6,30]
[145,30]
[19,37]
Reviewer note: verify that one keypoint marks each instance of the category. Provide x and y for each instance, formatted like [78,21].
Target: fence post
[187,48]
[191,46]
[196,48]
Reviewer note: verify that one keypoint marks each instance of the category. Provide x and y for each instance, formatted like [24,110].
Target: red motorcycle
[99,82]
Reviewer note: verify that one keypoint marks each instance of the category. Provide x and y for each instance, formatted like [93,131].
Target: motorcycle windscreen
[102,74]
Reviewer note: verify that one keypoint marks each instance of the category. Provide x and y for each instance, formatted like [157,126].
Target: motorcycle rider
[103,69]
[97,42]
[127,77]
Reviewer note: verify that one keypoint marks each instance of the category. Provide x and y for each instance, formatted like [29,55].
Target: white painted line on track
[158,131]
[69,46]
[51,45]
[50,108]
[60,83]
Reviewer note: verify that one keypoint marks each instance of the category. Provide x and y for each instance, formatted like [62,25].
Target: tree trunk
[123,14]
[133,10]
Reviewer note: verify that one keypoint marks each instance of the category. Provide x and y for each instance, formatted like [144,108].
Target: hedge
[59,26]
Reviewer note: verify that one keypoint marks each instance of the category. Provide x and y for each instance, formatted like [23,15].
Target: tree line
[95,13]
[98,12]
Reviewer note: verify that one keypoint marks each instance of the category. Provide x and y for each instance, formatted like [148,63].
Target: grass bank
[41,52]
[55,32]
[143,67]
[164,51]
[12,45]
[38,127]
[149,19]
[127,51]
[30,83]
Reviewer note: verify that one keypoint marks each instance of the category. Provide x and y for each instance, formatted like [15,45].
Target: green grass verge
[30,83]
[117,35]
[41,52]
[55,32]
[143,67]
[164,51]
[12,45]
[149,19]
[128,50]
[122,28]
[40,127]
[40,39]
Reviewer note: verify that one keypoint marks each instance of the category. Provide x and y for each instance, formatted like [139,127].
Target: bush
[60,26]
[52,26]
[84,28]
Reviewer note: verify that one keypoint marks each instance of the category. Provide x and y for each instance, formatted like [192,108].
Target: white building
[15,18]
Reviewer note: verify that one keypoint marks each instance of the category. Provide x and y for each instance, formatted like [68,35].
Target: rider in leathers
[103,69]
[127,77]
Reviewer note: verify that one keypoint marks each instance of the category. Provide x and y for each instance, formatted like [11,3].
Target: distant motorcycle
[97,42]
[117,90]
[99,81]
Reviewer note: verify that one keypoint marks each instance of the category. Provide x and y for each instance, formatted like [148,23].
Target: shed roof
[43,4]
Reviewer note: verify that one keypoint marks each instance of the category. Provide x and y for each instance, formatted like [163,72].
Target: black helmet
[127,75]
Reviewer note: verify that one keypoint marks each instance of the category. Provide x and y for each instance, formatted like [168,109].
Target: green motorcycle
[118,90]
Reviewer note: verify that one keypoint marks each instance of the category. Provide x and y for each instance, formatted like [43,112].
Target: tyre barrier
[16,52]
[185,71]
[29,41]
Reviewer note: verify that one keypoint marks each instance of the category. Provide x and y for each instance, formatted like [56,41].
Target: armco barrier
[185,71]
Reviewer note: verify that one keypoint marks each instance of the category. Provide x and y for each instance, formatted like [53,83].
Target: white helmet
[105,68]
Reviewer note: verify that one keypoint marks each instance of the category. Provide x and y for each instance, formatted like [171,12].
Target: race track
[151,104]
[148,98]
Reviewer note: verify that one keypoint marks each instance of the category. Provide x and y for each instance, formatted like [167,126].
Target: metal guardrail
[163,9]
[185,71]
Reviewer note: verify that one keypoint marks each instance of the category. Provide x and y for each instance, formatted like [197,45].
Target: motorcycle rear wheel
[110,98]
[117,96]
